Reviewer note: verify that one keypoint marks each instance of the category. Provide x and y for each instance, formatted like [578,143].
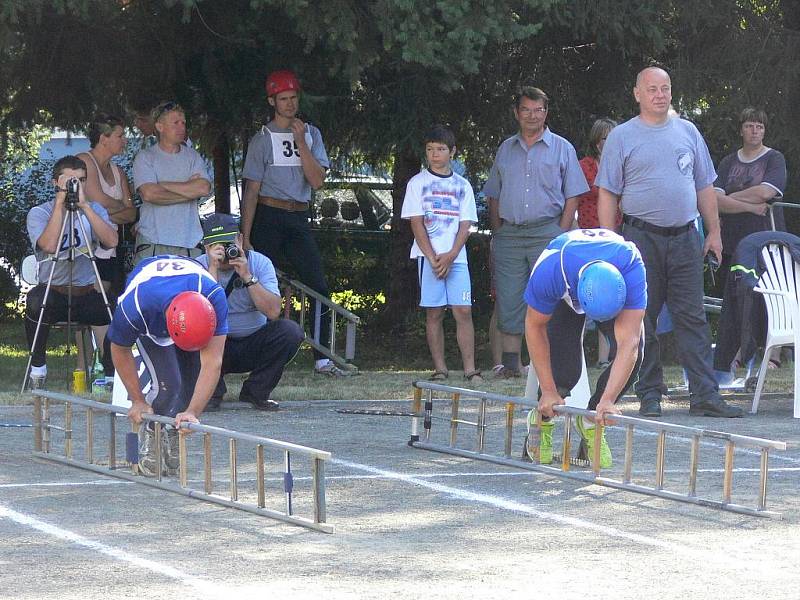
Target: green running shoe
[587,433]
[539,442]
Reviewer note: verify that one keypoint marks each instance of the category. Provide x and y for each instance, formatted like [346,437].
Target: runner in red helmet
[171,308]
[191,321]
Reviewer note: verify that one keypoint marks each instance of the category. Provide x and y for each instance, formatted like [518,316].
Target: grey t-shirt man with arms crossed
[171,177]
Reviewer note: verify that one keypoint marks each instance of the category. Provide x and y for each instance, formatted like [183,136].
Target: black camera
[231,250]
[712,262]
[71,199]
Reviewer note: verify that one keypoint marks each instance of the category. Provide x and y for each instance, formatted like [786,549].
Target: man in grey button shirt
[171,177]
[658,170]
[532,192]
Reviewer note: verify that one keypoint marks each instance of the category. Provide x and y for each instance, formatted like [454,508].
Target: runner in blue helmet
[601,290]
[594,273]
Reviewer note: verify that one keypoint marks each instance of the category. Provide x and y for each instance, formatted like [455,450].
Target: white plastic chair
[779,285]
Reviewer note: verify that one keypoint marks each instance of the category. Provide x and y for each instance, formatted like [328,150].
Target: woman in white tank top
[106,184]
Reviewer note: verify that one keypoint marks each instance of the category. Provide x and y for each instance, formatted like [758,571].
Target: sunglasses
[165,107]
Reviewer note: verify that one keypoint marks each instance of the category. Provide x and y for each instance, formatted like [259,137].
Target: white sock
[321,362]
[39,371]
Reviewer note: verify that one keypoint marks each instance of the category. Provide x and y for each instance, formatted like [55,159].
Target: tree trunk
[222,178]
[403,287]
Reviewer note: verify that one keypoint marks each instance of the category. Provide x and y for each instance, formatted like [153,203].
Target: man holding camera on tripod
[55,228]
[258,341]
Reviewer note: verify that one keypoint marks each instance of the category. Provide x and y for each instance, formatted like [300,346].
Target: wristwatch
[253,281]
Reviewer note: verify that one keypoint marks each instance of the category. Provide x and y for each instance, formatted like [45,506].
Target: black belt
[670,231]
[77,290]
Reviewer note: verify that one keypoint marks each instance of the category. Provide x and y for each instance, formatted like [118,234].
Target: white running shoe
[147,452]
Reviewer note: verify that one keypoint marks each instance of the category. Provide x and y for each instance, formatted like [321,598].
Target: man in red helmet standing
[286,161]
[171,308]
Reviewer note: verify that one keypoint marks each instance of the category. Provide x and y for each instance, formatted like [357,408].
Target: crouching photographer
[258,341]
[61,232]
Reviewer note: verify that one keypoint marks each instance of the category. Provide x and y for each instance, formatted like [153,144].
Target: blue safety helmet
[601,290]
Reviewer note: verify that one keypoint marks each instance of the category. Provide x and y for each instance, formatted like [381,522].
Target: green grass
[388,368]
[14,359]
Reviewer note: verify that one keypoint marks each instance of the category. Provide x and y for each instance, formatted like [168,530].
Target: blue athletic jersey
[150,289]
[555,275]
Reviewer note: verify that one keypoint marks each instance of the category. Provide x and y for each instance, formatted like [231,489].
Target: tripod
[71,220]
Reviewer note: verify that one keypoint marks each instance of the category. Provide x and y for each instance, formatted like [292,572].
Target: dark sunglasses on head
[165,108]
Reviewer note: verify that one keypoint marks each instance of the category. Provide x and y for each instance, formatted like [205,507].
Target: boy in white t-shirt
[441,207]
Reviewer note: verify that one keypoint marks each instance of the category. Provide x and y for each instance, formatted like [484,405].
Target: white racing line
[453,475]
[209,589]
[206,589]
[507,504]
[731,560]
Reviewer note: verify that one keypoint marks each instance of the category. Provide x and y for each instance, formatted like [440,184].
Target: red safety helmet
[282,81]
[191,321]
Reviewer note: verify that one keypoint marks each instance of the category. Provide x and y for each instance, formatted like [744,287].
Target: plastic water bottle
[98,373]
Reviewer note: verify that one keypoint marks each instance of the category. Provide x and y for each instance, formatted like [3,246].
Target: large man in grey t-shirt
[171,177]
[657,169]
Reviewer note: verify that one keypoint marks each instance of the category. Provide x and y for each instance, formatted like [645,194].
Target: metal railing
[422,439]
[774,205]
[712,305]
[294,289]
[43,428]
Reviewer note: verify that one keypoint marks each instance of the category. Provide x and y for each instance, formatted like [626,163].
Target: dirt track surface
[409,523]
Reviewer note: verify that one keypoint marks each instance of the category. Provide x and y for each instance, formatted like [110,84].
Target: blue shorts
[453,290]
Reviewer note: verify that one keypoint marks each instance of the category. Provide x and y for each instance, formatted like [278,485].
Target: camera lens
[72,185]
[232,251]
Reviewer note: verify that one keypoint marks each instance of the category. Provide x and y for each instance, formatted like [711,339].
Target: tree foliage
[23,179]
[378,73]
